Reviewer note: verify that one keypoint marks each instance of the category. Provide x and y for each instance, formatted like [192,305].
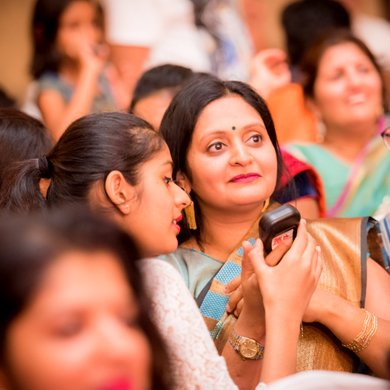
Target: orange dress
[294,122]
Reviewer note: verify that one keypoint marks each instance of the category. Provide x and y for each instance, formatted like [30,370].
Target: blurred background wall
[262,17]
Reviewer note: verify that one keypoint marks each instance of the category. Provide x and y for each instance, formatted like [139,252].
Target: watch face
[249,349]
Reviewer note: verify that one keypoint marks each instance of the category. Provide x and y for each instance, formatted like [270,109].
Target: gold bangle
[363,339]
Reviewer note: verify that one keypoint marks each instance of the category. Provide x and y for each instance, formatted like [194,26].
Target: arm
[56,113]
[335,312]
[283,305]
[246,373]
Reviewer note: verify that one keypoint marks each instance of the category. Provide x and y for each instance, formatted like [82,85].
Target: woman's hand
[234,288]
[92,57]
[236,300]
[289,285]
[269,71]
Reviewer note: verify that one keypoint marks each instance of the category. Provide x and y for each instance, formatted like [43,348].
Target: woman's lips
[176,222]
[245,178]
[121,384]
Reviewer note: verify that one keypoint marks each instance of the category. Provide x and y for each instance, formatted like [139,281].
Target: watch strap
[236,341]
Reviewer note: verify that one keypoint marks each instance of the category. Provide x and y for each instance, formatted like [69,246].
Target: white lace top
[194,358]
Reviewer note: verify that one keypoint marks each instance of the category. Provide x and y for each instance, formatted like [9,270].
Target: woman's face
[348,88]
[79,29]
[231,157]
[80,331]
[152,108]
[153,219]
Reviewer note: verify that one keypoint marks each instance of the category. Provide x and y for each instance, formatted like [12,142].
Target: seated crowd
[131,250]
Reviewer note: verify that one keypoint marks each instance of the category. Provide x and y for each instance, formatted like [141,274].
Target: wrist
[89,72]
[251,325]
[283,324]
[331,309]
[246,347]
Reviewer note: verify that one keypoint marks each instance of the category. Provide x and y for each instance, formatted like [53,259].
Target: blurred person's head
[114,163]
[155,89]
[74,313]
[58,25]
[343,81]
[22,137]
[6,101]
[304,21]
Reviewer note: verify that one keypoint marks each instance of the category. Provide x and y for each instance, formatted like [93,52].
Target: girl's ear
[183,182]
[119,191]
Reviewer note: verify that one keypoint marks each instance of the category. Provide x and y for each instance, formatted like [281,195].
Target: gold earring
[190,216]
[265,205]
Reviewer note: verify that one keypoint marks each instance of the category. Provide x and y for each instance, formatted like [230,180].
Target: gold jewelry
[246,347]
[265,205]
[361,341]
[190,216]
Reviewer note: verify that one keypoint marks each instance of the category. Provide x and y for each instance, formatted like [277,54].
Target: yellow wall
[14,45]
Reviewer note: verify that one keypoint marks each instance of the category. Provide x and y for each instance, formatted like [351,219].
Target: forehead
[227,112]
[79,9]
[160,159]
[77,277]
[341,55]
[74,266]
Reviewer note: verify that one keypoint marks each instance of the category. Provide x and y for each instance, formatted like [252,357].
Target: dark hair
[6,101]
[305,20]
[163,77]
[45,25]
[30,245]
[312,58]
[22,137]
[87,152]
[180,119]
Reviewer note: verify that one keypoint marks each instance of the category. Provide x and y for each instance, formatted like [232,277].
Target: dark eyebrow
[223,132]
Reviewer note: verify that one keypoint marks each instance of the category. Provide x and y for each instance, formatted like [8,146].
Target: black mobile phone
[277,225]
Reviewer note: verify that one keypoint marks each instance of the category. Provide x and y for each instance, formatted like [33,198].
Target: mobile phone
[277,225]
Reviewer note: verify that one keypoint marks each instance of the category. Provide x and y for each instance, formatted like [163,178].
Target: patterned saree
[345,250]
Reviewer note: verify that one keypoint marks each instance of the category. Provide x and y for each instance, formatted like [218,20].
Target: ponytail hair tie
[43,166]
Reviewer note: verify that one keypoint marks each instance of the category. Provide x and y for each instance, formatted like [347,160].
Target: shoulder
[49,78]
[156,268]
[51,81]
[165,287]
[194,359]
[180,259]
[312,153]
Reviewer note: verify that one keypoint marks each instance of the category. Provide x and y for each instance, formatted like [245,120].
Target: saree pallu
[351,190]
[345,250]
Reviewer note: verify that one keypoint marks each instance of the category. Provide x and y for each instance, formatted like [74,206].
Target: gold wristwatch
[247,348]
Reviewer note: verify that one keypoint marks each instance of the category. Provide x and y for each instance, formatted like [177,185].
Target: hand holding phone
[278,225]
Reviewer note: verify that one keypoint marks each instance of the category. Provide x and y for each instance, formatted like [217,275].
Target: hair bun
[44,168]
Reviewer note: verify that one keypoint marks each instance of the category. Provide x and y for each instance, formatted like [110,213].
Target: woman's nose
[181,198]
[240,155]
[114,342]
[354,78]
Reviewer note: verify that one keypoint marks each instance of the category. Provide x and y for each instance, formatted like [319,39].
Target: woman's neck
[348,144]
[222,232]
